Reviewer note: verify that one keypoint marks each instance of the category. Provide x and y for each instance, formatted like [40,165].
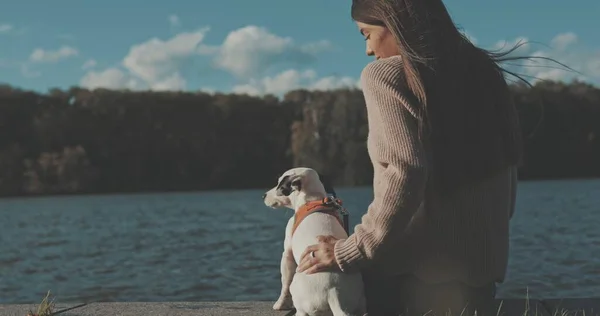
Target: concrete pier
[508,307]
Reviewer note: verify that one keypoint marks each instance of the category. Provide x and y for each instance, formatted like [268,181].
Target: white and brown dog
[323,293]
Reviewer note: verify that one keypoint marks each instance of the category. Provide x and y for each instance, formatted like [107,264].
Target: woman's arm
[399,162]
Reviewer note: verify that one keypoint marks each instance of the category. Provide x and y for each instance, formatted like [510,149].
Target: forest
[106,141]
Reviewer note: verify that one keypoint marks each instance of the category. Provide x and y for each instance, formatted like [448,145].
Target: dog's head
[296,187]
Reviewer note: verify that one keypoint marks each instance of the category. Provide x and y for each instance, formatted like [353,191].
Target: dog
[322,293]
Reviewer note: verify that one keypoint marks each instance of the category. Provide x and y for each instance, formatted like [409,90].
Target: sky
[258,46]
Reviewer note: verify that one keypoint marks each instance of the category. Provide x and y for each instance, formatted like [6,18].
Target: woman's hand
[319,257]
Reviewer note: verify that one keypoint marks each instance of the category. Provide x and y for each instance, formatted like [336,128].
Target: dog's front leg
[288,269]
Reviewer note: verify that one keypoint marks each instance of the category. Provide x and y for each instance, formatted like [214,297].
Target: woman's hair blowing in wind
[467,115]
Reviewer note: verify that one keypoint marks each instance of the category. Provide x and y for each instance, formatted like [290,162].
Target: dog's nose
[264,196]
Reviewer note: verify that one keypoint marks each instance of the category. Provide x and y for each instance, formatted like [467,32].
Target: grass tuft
[46,307]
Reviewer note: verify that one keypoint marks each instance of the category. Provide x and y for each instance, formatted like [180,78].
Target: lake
[227,245]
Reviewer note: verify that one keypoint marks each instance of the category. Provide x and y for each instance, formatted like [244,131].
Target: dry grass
[46,307]
[528,311]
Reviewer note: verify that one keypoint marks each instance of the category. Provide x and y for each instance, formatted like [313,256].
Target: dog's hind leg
[288,269]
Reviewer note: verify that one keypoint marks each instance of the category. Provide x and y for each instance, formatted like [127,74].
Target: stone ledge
[509,307]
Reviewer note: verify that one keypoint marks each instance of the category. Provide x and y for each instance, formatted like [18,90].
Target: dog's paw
[284,303]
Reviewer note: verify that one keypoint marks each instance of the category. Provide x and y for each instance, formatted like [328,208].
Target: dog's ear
[327,184]
[296,184]
[287,185]
[283,187]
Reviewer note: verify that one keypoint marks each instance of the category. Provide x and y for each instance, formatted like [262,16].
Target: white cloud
[562,41]
[52,56]
[42,56]
[115,78]
[251,50]
[335,82]
[564,48]
[5,28]
[173,82]
[155,64]
[90,63]
[593,66]
[294,79]
[111,78]
[255,57]
[174,20]
[156,59]
[316,47]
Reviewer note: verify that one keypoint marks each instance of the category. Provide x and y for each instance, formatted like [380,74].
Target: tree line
[101,141]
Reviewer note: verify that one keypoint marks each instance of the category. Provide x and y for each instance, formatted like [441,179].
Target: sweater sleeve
[399,162]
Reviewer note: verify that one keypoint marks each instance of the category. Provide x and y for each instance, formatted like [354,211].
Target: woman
[445,143]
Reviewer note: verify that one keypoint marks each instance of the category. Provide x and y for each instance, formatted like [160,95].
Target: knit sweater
[409,227]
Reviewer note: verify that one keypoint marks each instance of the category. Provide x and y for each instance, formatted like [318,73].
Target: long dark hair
[467,117]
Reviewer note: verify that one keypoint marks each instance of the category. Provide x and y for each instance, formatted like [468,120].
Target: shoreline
[575,306]
[220,190]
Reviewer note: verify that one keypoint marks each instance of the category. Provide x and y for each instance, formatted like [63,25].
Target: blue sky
[259,46]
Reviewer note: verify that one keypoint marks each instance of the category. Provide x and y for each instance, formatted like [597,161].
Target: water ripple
[227,245]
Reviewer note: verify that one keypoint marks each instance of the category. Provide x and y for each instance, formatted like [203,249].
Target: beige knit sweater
[410,228]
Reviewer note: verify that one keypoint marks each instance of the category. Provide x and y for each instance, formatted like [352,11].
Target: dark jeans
[408,296]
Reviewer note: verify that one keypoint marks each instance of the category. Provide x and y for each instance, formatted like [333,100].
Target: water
[227,245]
